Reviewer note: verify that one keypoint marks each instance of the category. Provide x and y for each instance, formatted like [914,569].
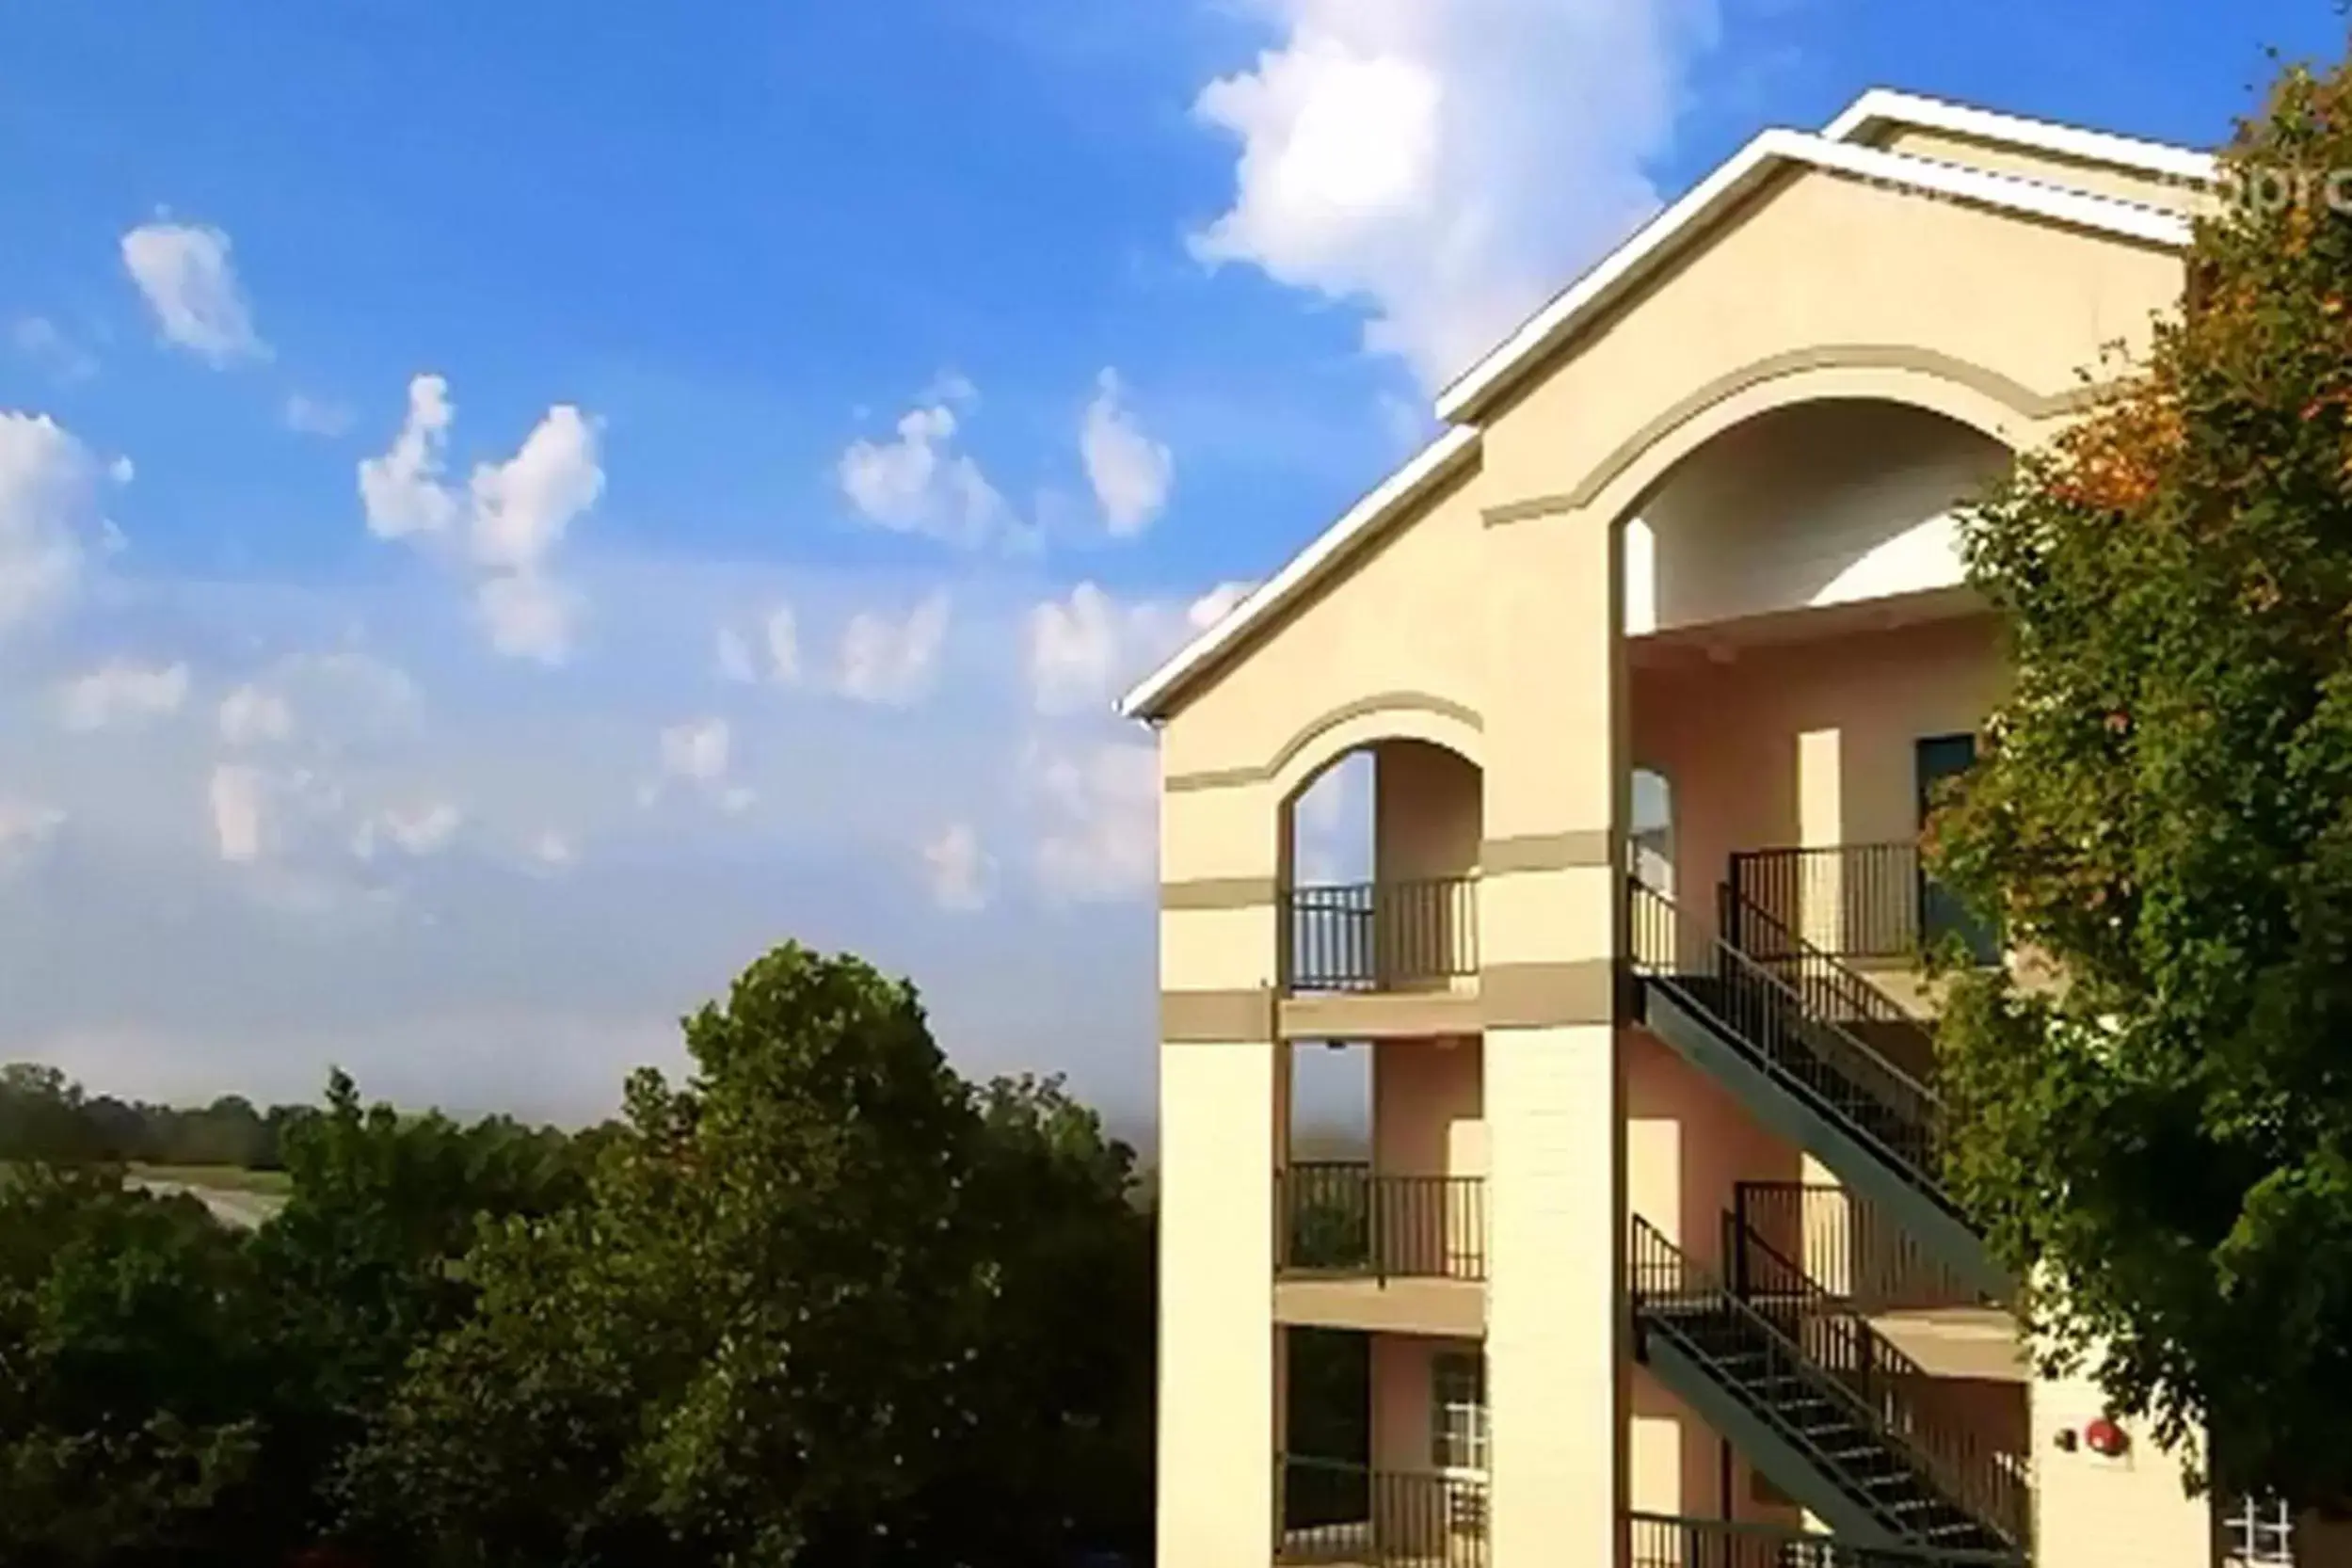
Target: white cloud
[550,848]
[120,694]
[738,664]
[1085,650]
[236,799]
[417,832]
[1100,833]
[957,868]
[402,491]
[184,271]
[697,751]
[892,663]
[1447,166]
[45,343]
[515,514]
[921,484]
[315,416]
[251,716]
[48,505]
[1131,473]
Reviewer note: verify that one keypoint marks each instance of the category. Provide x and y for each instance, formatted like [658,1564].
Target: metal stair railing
[1982,1480]
[1851,1247]
[1797,1045]
[1668,1541]
[1664,1284]
[1832,988]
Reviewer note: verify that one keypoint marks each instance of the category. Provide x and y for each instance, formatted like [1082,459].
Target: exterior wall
[2021,306]
[2098,179]
[1401,1398]
[1686,1143]
[1826,503]
[1429,1107]
[1739,740]
[2130,1512]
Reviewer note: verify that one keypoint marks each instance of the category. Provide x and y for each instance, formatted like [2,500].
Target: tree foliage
[825,1303]
[2163,1141]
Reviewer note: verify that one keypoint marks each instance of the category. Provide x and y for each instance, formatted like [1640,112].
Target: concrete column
[1223,1132]
[1551,918]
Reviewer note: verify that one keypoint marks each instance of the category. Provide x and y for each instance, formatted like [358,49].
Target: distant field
[217,1179]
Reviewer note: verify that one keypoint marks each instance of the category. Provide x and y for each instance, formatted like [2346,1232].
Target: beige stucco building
[1656,653]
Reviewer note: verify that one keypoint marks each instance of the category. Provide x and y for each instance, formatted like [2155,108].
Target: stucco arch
[1997,407]
[1433,721]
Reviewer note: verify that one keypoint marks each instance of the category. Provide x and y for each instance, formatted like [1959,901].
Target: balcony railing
[1855,901]
[1344,1513]
[1346,1220]
[1845,1245]
[1381,935]
[1660,1541]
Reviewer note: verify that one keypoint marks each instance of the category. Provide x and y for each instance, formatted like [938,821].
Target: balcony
[1859,903]
[1336,1515]
[1358,1250]
[1371,959]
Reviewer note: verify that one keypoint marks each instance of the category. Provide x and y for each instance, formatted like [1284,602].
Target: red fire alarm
[2106,1438]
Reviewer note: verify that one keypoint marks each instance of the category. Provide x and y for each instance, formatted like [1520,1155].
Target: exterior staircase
[1785,1368]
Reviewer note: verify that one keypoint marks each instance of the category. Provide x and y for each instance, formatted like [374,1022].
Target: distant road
[245,1210]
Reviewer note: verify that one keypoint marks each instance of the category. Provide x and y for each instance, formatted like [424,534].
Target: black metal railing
[1795,1018]
[1344,1513]
[1795,1346]
[1335,1218]
[1986,1481]
[1848,1246]
[1381,935]
[1664,1540]
[1860,901]
[1850,900]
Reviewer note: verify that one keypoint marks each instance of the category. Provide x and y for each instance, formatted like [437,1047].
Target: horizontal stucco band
[2002,388]
[1384,703]
[1547,852]
[1216,1017]
[1549,995]
[1220,892]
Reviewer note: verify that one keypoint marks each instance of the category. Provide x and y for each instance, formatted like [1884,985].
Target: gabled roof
[1841,149]
[1882,108]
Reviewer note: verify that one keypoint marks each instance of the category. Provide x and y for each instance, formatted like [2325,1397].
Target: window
[2259,1533]
[1458,1412]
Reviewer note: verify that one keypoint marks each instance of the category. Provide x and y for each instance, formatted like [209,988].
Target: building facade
[1656,654]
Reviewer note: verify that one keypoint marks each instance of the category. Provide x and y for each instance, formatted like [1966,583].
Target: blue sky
[507,511]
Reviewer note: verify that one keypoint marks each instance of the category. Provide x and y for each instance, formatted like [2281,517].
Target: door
[1936,759]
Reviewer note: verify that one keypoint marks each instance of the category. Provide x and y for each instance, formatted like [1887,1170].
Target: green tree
[2165,813]
[128,1366]
[825,1304]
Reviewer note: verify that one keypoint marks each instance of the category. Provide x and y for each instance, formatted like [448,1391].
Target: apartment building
[1657,653]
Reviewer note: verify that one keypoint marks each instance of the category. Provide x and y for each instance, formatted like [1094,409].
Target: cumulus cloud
[921,482]
[184,271]
[1131,473]
[415,831]
[892,662]
[251,716]
[26,826]
[956,868]
[48,512]
[1084,649]
[1447,166]
[776,661]
[505,530]
[1099,837]
[235,800]
[700,755]
[120,694]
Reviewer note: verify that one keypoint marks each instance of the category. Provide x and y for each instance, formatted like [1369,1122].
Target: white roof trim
[1662,234]
[1147,701]
[1883,106]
